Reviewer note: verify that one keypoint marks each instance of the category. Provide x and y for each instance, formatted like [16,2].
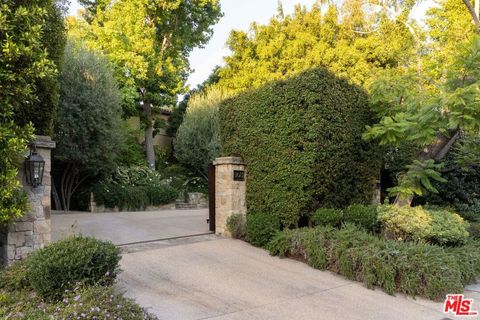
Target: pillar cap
[228,160]
[43,142]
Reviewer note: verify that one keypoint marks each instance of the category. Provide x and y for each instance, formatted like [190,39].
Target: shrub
[63,264]
[236,225]
[197,141]
[95,302]
[363,216]
[15,277]
[419,224]
[327,217]
[133,197]
[301,141]
[411,268]
[474,230]
[260,228]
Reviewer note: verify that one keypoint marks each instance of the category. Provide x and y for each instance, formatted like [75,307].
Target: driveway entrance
[131,227]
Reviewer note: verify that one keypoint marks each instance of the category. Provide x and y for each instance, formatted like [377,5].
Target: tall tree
[88,122]
[343,39]
[149,42]
[434,105]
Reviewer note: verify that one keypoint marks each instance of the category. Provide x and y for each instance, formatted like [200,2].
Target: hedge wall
[301,141]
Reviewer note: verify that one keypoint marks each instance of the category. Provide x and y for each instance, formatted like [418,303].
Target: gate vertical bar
[211,197]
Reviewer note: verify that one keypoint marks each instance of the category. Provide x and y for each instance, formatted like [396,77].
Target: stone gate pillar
[33,230]
[230,190]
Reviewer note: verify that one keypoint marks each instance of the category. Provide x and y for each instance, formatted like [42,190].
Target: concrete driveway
[130,227]
[214,278]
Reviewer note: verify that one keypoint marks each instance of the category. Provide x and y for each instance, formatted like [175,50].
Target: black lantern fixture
[34,166]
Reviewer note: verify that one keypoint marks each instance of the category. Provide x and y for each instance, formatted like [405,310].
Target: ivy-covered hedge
[301,141]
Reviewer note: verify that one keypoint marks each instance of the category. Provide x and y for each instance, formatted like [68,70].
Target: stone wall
[230,191]
[33,230]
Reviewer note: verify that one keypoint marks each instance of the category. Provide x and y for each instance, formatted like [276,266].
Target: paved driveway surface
[128,227]
[214,278]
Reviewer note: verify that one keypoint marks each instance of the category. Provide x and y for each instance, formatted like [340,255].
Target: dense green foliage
[414,269]
[197,142]
[53,37]
[418,224]
[236,225]
[67,263]
[431,100]
[23,63]
[327,217]
[301,141]
[19,301]
[134,188]
[88,121]
[362,216]
[149,43]
[133,198]
[345,39]
[260,228]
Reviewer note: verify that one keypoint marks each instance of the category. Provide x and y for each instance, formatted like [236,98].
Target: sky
[238,15]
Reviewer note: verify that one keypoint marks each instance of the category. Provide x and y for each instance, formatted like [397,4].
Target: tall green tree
[88,121]
[343,39]
[23,62]
[433,105]
[149,42]
[197,142]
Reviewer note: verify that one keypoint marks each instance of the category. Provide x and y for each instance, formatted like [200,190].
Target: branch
[473,14]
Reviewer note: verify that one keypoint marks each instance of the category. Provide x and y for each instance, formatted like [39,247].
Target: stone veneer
[229,194]
[20,238]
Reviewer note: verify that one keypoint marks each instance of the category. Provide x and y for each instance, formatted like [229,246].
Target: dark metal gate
[211,197]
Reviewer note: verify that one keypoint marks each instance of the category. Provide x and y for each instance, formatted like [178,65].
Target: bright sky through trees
[239,15]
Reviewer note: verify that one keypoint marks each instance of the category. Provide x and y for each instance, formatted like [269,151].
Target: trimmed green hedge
[415,269]
[301,141]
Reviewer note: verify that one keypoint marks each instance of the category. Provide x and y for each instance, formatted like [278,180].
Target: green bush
[363,216]
[133,197]
[236,225]
[260,228]
[474,230]
[95,302]
[419,224]
[415,269]
[301,140]
[66,263]
[327,217]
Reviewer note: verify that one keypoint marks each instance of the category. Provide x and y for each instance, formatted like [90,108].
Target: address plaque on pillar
[238,175]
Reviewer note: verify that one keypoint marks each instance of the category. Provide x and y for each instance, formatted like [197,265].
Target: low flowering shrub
[327,217]
[416,269]
[76,260]
[261,227]
[419,224]
[95,302]
[236,225]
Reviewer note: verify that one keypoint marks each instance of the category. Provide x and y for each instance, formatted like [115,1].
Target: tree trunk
[436,151]
[69,183]
[147,110]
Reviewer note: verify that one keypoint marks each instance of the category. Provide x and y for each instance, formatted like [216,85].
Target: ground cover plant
[69,279]
[413,268]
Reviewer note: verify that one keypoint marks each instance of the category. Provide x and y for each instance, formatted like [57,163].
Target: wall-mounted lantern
[34,166]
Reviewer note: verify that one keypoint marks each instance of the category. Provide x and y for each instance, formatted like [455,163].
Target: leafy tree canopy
[345,39]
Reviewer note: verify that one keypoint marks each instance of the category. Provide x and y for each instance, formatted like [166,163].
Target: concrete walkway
[214,278]
[128,227]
